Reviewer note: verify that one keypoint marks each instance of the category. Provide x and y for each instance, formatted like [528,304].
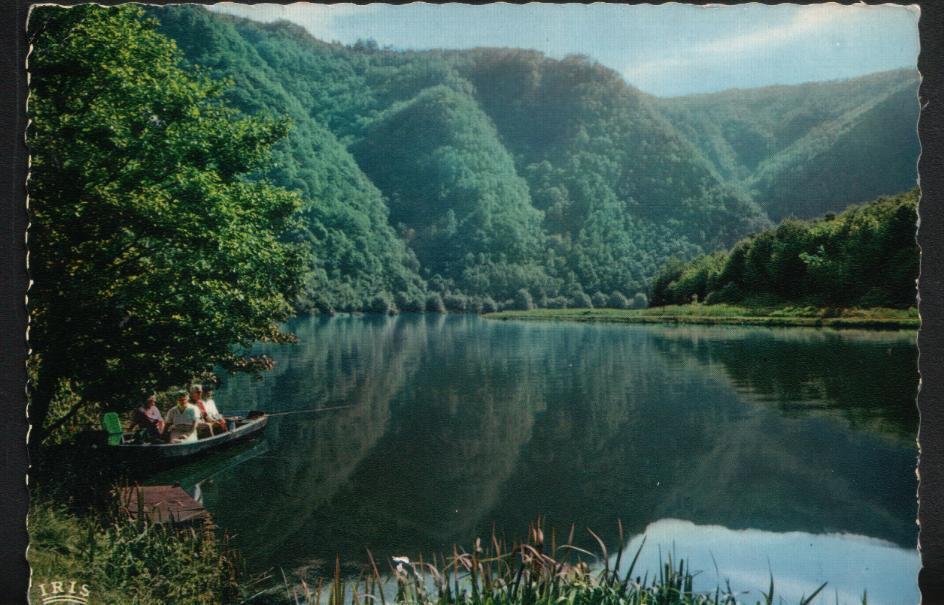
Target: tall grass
[534,572]
[126,562]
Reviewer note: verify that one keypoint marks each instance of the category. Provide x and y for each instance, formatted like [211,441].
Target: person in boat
[182,420]
[212,412]
[208,425]
[147,417]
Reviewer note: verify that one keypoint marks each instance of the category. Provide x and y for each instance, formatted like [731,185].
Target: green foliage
[523,300]
[865,256]
[343,220]
[617,301]
[490,170]
[155,255]
[600,300]
[468,214]
[383,304]
[805,150]
[124,562]
[434,304]
[580,300]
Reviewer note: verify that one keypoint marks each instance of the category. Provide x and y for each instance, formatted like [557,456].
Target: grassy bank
[696,313]
[124,562]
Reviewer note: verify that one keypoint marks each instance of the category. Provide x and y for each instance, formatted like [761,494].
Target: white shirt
[211,411]
[183,423]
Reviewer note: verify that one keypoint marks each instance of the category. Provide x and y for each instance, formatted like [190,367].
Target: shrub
[434,304]
[456,302]
[489,305]
[410,303]
[523,300]
[580,300]
[640,301]
[557,302]
[618,301]
[382,303]
[599,300]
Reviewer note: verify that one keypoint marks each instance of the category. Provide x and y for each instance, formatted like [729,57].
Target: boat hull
[180,452]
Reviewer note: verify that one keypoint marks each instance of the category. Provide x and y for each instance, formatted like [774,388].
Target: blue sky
[666,50]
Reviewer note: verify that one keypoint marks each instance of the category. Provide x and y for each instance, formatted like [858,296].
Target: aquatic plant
[538,571]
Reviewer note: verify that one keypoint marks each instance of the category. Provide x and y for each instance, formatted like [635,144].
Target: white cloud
[752,41]
[319,19]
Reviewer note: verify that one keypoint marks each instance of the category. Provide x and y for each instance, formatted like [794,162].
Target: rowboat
[242,428]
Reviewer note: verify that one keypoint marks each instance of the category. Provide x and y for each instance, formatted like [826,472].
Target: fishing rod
[310,410]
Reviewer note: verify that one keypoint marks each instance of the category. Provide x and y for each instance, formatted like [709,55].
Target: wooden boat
[245,427]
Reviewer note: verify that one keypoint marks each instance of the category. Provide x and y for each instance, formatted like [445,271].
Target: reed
[533,572]
[149,564]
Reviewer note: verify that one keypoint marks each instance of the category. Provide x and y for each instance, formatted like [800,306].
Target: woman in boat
[182,420]
[148,418]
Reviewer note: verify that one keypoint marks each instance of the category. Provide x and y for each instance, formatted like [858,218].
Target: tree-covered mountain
[805,150]
[474,175]
[345,221]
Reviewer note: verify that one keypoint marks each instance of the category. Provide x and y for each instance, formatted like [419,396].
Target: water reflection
[460,425]
[799,562]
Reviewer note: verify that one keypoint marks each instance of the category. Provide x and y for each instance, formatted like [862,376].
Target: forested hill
[474,175]
[809,149]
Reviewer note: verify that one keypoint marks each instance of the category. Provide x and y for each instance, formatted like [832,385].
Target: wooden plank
[162,504]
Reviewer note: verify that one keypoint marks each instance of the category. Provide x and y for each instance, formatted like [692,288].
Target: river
[746,450]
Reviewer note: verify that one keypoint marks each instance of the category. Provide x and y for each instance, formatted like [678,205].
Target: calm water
[789,450]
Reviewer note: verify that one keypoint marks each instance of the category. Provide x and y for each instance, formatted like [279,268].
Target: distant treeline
[462,179]
[865,256]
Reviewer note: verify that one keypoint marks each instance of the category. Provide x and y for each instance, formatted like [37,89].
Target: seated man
[182,420]
[148,418]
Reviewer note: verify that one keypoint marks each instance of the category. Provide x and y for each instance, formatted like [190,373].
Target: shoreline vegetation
[96,550]
[878,318]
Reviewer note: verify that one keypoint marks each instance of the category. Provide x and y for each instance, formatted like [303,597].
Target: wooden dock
[162,504]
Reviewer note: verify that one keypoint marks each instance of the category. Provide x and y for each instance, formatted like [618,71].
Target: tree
[523,300]
[618,301]
[580,300]
[157,250]
[434,304]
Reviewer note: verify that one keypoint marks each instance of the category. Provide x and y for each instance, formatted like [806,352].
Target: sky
[665,50]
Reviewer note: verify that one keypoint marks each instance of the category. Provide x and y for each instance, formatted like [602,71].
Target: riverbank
[118,561]
[872,318]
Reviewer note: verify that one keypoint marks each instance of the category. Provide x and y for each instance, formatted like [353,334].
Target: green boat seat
[111,424]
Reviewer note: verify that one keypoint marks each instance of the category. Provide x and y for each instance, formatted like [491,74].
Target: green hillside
[484,172]
[357,253]
[806,150]
[866,256]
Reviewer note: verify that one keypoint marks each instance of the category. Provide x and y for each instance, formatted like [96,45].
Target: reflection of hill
[460,423]
[869,379]
[452,442]
[679,442]
[360,362]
